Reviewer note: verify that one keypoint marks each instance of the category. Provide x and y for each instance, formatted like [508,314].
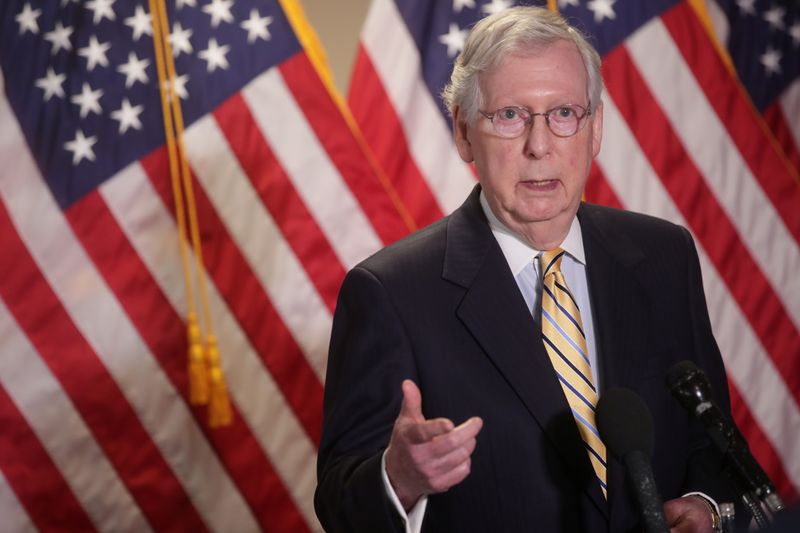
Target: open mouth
[540,185]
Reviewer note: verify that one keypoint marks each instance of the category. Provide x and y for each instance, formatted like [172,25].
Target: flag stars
[88,100]
[774,17]
[95,53]
[134,70]
[565,3]
[179,40]
[178,86]
[128,116]
[458,5]
[496,6]
[746,7]
[101,9]
[140,23]
[602,9]
[220,11]
[256,27]
[454,39]
[59,37]
[51,84]
[27,19]
[214,55]
[794,33]
[81,147]
[771,59]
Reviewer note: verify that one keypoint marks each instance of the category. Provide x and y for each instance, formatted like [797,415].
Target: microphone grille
[680,372]
[624,422]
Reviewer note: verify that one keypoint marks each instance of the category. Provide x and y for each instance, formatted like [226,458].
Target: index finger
[427,430]
[465,432]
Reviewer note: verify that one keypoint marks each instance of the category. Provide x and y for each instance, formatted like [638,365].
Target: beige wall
[338,25]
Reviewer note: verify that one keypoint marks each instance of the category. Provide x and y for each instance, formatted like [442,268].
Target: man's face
[537,177]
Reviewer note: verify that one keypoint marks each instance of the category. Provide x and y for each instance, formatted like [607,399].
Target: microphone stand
[749,480]
[742,474]
[751,502]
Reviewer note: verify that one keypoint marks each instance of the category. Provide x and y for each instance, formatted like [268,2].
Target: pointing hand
[427,456]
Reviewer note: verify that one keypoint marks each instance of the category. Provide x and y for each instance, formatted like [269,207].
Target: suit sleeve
[705,468]
[369,357]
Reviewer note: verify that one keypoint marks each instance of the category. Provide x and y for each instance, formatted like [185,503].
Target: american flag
[684,139]
[97,431]
[763,43]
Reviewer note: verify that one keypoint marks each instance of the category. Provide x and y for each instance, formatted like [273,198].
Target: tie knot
[550,261]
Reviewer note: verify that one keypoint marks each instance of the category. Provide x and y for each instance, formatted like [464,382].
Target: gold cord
[206,379]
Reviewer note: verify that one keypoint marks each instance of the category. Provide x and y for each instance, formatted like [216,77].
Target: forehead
[555,70]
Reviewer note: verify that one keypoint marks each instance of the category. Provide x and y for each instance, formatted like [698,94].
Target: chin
[538,214]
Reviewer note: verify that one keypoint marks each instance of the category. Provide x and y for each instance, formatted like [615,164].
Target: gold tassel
[219,409]
[199,393]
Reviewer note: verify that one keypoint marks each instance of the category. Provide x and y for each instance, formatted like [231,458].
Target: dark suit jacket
[441,307]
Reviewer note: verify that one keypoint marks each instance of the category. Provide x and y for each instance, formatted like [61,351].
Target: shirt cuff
[710,501]
[412,519]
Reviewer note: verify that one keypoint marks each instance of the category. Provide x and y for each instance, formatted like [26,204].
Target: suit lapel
[621,335]
[496,314]
[615,290]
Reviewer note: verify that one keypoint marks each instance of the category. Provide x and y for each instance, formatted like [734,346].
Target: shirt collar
[518,252]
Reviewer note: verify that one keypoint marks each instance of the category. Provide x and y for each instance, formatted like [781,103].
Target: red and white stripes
[670,151]
[92,313]
[401,120]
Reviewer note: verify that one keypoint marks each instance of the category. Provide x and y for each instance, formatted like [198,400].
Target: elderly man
[466,360]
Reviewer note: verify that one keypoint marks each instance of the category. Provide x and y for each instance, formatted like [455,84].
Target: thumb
[412,402]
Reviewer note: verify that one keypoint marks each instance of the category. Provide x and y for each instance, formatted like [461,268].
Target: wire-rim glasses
[563,120]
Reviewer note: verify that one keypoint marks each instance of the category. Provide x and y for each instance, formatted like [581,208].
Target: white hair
[521,29]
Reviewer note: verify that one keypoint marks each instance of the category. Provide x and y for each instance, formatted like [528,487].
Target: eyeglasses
[564,121]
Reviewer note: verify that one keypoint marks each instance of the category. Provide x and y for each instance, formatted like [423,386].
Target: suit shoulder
[423,248]
[638,226]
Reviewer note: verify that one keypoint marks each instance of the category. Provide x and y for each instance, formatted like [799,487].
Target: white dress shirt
[523,261]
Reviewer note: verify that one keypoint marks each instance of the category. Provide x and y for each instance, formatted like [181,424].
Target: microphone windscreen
[625,423]
[680,372]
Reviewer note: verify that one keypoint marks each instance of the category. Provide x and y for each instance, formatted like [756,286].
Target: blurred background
[338,25]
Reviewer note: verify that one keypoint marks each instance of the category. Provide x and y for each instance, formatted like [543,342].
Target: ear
[461,137]
[597,129]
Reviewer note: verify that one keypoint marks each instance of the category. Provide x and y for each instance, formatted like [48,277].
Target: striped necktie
[565,342]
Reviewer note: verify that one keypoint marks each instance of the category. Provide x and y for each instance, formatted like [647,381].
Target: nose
[539,140]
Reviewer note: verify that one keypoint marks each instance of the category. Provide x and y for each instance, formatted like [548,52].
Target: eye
[509,122]
[508,114]
[564,112]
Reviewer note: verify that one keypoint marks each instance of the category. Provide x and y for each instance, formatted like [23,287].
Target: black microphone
[690,386]
[626,427]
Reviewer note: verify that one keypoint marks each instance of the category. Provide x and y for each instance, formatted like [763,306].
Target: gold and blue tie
[565,342]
